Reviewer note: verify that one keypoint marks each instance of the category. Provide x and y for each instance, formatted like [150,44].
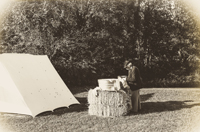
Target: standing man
[135,82]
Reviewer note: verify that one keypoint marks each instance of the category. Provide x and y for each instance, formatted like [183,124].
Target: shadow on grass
[147,107]
[146,96]
[83,106]
[151,107]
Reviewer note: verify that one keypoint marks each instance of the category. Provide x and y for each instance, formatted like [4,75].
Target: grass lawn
[163,110]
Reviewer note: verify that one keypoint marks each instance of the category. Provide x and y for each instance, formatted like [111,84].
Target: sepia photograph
[99,66]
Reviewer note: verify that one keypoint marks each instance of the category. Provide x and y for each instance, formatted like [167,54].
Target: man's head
[128,64]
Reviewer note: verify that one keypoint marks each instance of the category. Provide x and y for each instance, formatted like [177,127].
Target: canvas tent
[30,85]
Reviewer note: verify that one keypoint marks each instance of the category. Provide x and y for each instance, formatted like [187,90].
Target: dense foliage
[86,40]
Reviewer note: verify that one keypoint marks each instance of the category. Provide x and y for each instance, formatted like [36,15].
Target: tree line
[87,40]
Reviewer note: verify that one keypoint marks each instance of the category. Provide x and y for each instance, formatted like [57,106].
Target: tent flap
[37,82]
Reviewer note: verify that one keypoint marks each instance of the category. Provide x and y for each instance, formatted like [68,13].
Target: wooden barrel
[109,84]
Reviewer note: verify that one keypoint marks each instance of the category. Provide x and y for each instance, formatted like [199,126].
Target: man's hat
[127,62]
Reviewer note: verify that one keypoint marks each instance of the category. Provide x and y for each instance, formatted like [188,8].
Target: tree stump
[108,103]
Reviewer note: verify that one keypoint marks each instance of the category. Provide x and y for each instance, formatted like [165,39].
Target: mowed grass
[163,110]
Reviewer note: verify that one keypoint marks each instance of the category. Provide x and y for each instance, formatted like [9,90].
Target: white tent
[30,85]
